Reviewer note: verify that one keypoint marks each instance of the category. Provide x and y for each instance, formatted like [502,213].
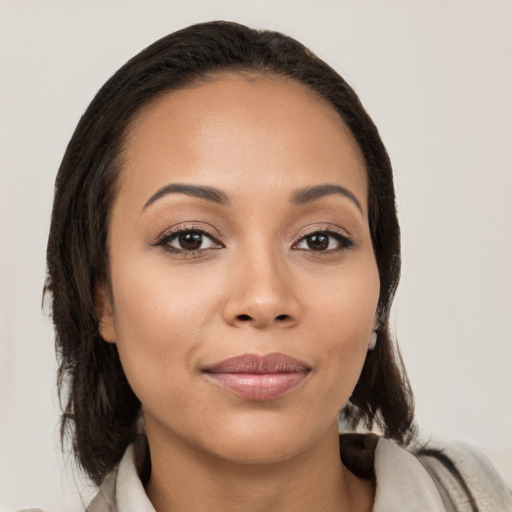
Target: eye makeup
[187,240]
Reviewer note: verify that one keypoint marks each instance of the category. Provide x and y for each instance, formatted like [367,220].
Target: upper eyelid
[177,230]
[311,230]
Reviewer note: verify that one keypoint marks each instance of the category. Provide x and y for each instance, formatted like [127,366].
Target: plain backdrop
[436,76]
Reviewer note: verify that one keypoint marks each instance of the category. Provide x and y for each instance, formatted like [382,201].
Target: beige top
[403,483]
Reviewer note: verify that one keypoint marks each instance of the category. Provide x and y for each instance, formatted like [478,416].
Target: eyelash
[169,236]
[343,241]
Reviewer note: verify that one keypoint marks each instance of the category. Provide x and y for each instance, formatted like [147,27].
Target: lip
[256,377]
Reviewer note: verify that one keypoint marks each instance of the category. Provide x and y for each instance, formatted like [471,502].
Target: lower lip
[256,386]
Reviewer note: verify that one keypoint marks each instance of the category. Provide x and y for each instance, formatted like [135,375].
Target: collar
[130,493]
[402,484]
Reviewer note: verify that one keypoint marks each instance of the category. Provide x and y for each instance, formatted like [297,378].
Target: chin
[265,440]
[258,451]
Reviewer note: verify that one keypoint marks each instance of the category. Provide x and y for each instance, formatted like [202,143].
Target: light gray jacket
[406,482]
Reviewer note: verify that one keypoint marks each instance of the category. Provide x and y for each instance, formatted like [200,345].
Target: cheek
[345,303]
[344,312]
[160,320]
[156,297]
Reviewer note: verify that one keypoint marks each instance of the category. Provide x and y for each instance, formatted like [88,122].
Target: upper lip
[257,364]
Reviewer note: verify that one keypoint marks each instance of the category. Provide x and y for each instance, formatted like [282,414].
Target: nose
[261,292]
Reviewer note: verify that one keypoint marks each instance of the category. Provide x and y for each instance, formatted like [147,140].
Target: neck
[184,479]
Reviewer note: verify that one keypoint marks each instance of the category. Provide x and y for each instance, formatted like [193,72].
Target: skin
[255,286]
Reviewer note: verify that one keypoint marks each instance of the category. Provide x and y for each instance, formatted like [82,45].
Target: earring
[101,326]
[373,340]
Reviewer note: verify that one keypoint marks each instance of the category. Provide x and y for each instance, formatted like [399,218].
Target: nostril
[282,317]
[244,318]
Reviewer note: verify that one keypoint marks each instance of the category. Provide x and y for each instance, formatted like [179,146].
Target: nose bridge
[263,289]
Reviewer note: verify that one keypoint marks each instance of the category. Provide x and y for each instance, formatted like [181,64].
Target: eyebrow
[202,192]
[299,197]
[308,194]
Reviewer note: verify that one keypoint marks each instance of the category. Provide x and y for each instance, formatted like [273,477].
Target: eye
[188,241]
[324,241]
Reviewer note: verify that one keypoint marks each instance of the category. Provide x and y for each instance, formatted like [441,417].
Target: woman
[223,254]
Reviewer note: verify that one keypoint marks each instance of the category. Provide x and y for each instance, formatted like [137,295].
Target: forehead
[235,128]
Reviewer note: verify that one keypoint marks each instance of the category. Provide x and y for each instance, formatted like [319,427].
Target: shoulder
[441,476]
[502,461]
[467,477]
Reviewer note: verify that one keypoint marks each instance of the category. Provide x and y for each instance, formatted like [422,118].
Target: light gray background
[437,78]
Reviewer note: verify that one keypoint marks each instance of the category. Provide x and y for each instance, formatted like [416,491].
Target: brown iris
[318,242]
[190,241]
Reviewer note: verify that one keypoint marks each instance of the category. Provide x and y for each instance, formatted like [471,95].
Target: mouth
[256,377]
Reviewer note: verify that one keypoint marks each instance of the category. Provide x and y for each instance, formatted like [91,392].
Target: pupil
[190,241]
[318,242]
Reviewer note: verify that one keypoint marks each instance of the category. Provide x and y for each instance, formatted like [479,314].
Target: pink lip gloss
[255,377]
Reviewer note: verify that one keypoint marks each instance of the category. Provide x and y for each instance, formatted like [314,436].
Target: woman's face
[243,281]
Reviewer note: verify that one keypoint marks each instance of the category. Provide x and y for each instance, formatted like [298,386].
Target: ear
[105,313]
[376,321]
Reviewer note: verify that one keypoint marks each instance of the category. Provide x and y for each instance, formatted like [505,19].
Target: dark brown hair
[101,410]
